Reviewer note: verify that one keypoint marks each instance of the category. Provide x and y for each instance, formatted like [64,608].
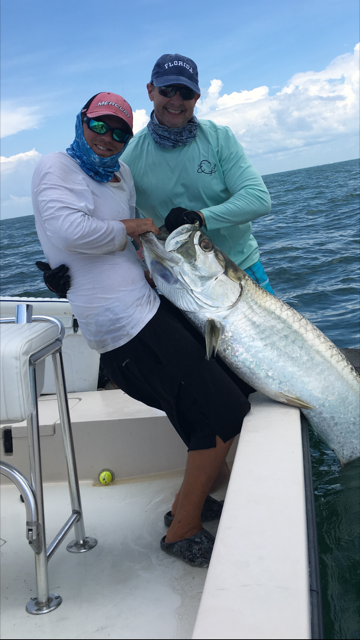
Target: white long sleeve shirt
[78,221]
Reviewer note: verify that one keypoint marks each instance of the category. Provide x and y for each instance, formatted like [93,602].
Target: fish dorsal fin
[293,401]
[212,336]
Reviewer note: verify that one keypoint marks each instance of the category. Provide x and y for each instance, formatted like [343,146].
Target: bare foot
[175,503]
[222,477]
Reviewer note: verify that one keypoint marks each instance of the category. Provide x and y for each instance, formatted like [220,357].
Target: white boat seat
[17,343]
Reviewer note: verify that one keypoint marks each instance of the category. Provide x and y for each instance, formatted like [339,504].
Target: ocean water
[310,250]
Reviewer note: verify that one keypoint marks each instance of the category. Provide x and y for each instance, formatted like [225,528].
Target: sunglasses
[101,128]
[171,90]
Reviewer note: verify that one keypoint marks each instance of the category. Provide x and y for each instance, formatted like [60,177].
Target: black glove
[179,216]
[57,280]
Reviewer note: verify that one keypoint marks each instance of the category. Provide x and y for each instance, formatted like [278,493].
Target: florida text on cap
[175,69]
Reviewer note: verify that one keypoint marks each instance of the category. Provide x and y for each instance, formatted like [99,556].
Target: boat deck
[126,587]
[257,584]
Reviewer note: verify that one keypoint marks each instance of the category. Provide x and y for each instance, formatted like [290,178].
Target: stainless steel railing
[32,491]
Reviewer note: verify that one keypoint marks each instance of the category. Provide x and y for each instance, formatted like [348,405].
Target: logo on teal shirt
[205,166]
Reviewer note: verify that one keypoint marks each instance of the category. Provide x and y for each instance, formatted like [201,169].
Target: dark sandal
[195,551]
[211,511]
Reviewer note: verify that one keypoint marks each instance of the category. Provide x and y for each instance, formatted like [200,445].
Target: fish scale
[263,340]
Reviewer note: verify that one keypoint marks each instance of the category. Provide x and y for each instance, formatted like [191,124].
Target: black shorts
[164,366]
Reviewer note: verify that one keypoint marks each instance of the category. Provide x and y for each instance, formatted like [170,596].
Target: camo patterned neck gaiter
[169,138]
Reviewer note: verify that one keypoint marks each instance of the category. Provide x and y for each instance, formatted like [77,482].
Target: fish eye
[206,244]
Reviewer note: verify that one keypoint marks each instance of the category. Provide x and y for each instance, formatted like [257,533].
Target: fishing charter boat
[263,580]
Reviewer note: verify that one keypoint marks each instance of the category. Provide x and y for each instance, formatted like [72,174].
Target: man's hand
[57,280]
[137,226]
[179,216]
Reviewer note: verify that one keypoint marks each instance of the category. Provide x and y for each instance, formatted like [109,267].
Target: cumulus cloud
[11,164]
[16,174]
[15,119]
[313,108]
[140,119]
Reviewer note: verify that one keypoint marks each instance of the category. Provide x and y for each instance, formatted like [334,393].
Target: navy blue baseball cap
[175,69]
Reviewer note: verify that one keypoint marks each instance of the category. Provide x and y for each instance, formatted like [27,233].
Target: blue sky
[281,73]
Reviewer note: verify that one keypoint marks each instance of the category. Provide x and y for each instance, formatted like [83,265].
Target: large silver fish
[266,342]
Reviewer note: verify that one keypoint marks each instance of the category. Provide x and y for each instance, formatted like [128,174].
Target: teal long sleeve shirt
[211,174]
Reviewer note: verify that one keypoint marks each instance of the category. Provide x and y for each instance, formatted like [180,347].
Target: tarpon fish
[263,340]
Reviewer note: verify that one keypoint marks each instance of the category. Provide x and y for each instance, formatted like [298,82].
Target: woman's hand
[137,226]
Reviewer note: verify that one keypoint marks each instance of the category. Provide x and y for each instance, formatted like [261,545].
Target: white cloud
[13,162]
[15,119]
[314,108]
[140,119]
[16,174]
[244,96]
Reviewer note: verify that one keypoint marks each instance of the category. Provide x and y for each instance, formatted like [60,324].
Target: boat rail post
[44,601]
[82,542]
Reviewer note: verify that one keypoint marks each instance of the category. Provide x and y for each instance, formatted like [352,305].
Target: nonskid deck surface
[124,588]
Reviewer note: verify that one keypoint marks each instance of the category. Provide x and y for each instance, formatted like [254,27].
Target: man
[84,207]
[188,170]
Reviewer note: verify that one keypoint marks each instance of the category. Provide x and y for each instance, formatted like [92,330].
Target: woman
[84,205]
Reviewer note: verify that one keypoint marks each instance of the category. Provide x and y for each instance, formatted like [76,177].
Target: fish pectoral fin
[212,336]
[293,401]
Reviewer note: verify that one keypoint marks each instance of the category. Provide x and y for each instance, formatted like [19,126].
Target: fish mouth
[163,245]
[154,249]
[164,234]
[181,235]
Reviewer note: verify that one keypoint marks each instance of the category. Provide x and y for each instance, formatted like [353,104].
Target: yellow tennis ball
[106,476]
